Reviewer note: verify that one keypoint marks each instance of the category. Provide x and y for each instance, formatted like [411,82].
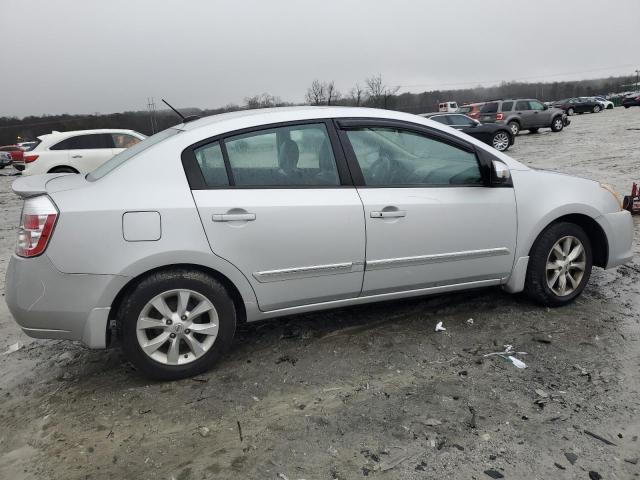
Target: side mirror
[546,107]
[500,174]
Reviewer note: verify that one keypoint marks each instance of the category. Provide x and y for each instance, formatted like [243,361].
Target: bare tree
[378,92]
[316,93]
[357,94]
[264,100]
[332,92]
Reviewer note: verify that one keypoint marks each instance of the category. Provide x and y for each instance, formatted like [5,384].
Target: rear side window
[491,107]
[85,142]
[211,163]
[393,157]
[506,106]
[522,105]
[464,109]
[124,140]
[298,155]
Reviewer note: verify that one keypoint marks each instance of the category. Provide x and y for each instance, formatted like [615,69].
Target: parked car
[448,107]
[471,110]
[631,101]
[579,105]
[15,151]
[5,159]
[498,136]
[523,114]
[606,104]
[253,215]
[78,151]
[26,146]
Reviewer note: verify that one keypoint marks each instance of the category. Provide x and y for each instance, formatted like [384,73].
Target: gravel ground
[371,391]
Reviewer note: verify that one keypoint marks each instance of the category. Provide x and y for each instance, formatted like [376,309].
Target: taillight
[499,116]
[39,216]
[30,158]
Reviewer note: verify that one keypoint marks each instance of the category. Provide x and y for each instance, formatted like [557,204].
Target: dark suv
[523,114]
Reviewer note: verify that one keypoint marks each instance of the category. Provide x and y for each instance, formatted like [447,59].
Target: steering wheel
[380,170]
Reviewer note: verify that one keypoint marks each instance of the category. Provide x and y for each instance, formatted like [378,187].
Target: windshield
[125,155]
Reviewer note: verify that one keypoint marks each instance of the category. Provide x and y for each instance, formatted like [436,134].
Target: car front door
[278,204]
[431,219]
[541,115]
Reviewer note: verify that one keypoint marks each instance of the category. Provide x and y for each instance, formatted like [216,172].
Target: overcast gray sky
[84,56]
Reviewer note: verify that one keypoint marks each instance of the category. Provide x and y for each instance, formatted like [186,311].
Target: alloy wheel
[557,124]
[177,327]
[566,264]
[500,141]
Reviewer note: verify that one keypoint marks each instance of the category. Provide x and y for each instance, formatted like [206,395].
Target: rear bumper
[47,303]
[618,228]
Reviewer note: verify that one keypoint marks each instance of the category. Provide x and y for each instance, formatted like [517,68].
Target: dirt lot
[371,391]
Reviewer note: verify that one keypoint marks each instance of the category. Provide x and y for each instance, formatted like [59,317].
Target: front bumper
[618,228]
[47,303]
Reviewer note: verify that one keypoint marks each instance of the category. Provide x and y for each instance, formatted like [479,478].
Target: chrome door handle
[233,217]
[389,214]
[76,156]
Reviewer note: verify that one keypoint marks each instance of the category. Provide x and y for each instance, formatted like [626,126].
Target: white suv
[78,151]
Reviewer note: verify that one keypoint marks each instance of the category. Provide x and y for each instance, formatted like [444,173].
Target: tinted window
[392,157]
[535,105]
[507,106]
[287,156]
[211,163]
[522,105]
[85,142]
[444,119]
[460,120]
[123,140]
[489,108]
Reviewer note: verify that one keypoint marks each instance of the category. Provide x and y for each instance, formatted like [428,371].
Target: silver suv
[523,114]
[258,214]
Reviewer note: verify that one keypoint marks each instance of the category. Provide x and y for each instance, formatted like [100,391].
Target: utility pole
[151,106]
[637,75]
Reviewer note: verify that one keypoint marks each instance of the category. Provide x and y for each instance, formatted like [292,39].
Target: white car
[606,104]
[258,214]
[79,151]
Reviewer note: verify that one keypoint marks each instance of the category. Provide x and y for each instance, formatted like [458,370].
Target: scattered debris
[396,459]
[486,437]
[288,359]
[333,451]
[17,346]
[593,475]
[571,457]
[632,461]
[517,363]
[545,340]
[493,473]
[508,354]
[239,430]
[470,321]
[472,422]
[598,437]
[561,467]
[439,327]
[541,393]
[432,422]
[204,431]
[282,476]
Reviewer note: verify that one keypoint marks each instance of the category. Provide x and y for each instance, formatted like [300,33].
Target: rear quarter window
[506,106]
[489,107]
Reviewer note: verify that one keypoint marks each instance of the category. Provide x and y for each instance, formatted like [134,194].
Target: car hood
[34,185]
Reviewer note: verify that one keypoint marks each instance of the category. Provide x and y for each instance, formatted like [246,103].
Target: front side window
[441,119]
[394,157]
[536,106]
[298,155]
[124,140]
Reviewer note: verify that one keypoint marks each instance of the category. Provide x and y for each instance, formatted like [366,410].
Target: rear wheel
[559,265]
[500,141]
[176,324]
[571,111]
[557,124]
[515,127]
[596,109]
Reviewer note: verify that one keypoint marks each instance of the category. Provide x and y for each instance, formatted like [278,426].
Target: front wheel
[176,324]
[500,141]
[571,111]
[557,124]
[559,265]
[515,128]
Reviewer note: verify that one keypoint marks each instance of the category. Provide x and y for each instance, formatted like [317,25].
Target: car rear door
[87,152]
[431,221]
[278,203]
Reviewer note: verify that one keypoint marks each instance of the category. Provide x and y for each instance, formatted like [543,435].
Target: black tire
[557,124]
[501,141]
[536,285]
[515,127]
[533,130]
[570,112]
[596,109]
[63,170]
[161,282]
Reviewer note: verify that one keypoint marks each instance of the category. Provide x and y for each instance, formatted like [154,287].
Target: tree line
[371,92]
